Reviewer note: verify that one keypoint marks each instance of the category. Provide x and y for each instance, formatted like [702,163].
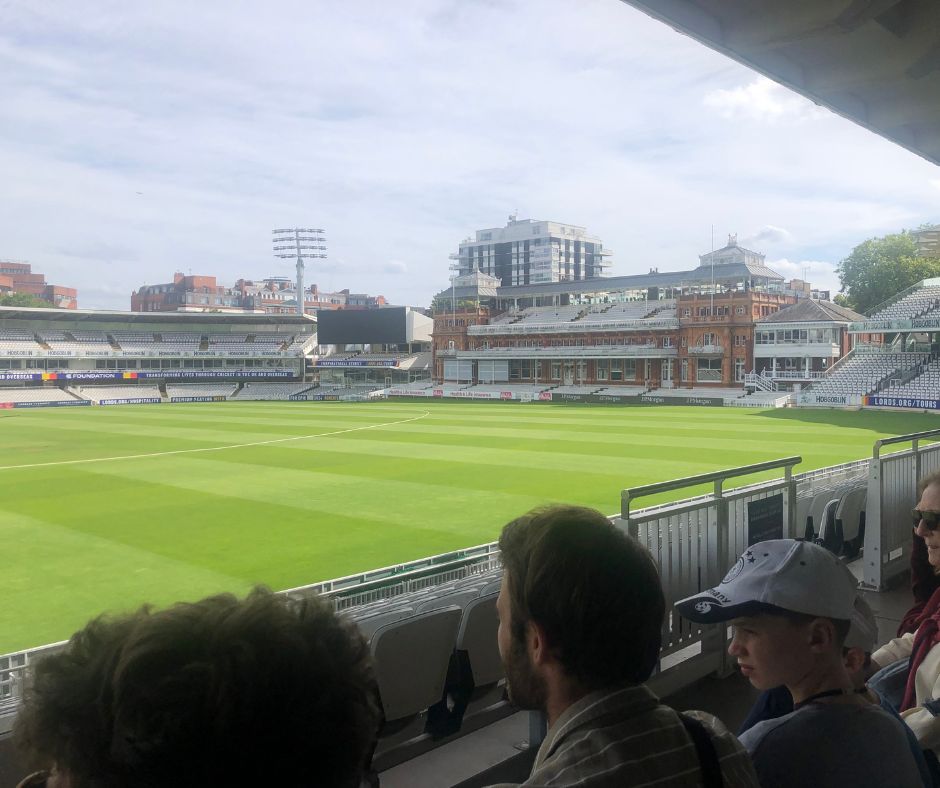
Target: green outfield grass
[106,508]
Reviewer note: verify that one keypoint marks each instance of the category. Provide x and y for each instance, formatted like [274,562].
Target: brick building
[678,329]
[19,278]
[275,295]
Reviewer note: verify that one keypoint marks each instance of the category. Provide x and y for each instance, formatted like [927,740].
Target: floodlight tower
[299,243]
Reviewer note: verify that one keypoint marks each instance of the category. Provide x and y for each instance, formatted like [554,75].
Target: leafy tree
[24,299]
[881,267]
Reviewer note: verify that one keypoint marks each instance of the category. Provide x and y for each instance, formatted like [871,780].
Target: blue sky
[139,140]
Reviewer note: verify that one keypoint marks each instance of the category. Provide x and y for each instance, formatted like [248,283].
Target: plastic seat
[458,598]
[411,658]
[369,624]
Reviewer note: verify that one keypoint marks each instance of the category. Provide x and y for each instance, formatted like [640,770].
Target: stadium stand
[622,391]
[271,391]
[863,373]
[925,385]
[913,303]
[200,389]
[98,393]
[35,395]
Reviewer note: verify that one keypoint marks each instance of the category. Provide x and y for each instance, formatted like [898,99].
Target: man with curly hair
[260,691]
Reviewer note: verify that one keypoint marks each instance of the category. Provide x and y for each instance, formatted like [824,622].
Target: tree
[882,267]
[24,299]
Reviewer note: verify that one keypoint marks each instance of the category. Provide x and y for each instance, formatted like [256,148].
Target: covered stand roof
[875,62]
[807,311]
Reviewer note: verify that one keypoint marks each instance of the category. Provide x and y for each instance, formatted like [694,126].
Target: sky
[137,140]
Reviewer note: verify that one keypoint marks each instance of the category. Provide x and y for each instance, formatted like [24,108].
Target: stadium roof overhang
[875,62]
[153,318]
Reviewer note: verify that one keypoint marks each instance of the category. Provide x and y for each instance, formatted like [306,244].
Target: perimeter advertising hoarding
[362,327]
[55,404]
[917,403]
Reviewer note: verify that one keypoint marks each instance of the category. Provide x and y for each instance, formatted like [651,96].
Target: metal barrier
[694,541]
[892,492]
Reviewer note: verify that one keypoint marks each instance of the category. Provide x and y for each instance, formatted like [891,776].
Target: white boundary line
[212,448]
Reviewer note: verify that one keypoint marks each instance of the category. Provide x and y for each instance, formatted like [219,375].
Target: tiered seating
[224,341]
[435,651]
[271,391]
[174,341]
[835,514]
[17,340]
[914,304]
[98,393]
[622,391]
[924,386]
[576,389]
[705,393]
[548,314]
[90,337]
[861,373]
[631,310]
[34,395]
[134,341]
[77,341]
[200,389]
[515,388]
[263,341]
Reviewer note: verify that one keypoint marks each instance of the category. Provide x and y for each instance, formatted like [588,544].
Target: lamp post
[301,244]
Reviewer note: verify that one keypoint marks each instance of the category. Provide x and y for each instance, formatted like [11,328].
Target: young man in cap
[791,604]
[580,620]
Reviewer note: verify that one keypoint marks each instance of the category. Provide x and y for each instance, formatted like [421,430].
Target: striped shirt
[626,737]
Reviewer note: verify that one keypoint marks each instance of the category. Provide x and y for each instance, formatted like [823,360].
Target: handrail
[914,437]
[632,493]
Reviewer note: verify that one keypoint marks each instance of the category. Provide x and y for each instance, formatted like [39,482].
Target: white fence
[892,493]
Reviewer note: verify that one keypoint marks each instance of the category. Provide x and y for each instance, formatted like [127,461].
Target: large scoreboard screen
[362,327]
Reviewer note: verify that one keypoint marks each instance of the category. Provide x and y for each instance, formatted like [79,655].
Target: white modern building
[527,251]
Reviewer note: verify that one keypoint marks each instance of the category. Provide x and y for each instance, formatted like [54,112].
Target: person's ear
[822,635]
[854,659]
[537,643]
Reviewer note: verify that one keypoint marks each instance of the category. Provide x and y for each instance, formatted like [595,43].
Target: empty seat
[368,624]
[458,598]
[411,658]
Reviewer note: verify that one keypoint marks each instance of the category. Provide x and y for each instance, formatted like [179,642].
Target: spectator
[921,678]
[856,653]
[580,619]
[791,604]
[924,577]
[263,691]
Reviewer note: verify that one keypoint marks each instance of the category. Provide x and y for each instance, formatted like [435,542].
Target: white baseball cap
[797,576]
[863,633]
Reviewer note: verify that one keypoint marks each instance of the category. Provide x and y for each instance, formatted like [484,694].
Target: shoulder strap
[705,749]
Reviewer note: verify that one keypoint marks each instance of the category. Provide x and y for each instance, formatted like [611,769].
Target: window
[686,312]
[616,369]
[685,341]
[602,367]
[556,370]
[739,370]
[667,342]
[739,310]
[708,370]
[685,370]
[708,339]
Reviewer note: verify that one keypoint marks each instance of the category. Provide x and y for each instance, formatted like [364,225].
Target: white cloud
[396,267]
[761,100]
[139,140]
[821,273]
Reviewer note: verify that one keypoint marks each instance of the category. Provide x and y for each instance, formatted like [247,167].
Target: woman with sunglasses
[918,681]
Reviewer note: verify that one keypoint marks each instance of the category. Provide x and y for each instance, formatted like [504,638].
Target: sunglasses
[931,520]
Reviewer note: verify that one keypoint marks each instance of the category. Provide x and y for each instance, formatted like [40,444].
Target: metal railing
[573,326]
[712,350]
[892,492]
[694,541]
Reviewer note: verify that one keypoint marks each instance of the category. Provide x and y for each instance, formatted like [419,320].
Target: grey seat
[477,636]
[458,598]
[370,623]
[411,658]
[850,509]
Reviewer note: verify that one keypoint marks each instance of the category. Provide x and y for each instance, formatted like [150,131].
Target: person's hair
[930,480]
[841,625]
[592,589]
[260,691]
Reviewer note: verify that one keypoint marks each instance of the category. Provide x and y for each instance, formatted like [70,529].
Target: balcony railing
[707,350]
[574,327]
[572,351]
